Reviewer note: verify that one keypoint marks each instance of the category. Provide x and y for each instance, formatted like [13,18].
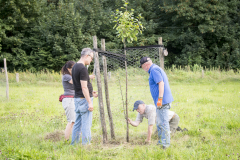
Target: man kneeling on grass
[149,112]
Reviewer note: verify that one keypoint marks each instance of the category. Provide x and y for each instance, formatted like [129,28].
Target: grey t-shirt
[150,114]
[68,87]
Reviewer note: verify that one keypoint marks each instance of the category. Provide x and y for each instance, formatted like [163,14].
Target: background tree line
[44,34]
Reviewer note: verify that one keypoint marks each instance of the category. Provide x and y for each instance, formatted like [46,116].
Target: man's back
[150,114]
[80,73]
[156,74]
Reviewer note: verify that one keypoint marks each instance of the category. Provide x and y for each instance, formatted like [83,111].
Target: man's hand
[150,128]
[90,107]
[92,76]
[129,120]
[133,123]
[95,95]
[159,103]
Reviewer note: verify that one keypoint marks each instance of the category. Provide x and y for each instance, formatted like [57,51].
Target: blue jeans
[83,122]
[163,125]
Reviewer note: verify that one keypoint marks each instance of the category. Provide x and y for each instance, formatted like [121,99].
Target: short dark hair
[69,65]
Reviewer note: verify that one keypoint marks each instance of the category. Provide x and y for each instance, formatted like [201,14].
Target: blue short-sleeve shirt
[156,75]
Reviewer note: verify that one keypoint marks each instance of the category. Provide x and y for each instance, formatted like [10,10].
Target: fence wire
[133,56]
[116,68]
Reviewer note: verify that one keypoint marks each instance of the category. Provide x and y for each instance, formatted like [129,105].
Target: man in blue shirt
[162,96]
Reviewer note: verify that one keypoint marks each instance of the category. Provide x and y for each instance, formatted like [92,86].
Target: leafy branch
[127,26]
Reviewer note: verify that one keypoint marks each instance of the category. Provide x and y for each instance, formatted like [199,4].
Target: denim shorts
[69,107]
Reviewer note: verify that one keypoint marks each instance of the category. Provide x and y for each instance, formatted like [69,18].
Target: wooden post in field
[7,85]
[202,73]
[109,75]
[160,51]
[17,77]
[106,90]
[100,95]
[188,68]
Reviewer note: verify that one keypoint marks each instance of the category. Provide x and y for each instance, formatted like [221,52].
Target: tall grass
[175,74]
[32,78]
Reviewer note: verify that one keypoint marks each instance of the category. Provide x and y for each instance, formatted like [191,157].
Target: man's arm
[86,94]
[133,123]
[160,95]
[95,95]
[161,89]
[150,128]
[92,76]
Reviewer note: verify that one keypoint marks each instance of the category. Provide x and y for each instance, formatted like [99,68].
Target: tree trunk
[125,52]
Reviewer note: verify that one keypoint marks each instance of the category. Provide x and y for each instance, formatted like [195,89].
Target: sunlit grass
[208,107]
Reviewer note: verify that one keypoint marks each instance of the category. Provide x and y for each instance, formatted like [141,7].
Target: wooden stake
[100,95]
[202,73]
[7,85]
[106,90]
[17,77]
[109,75]
[103,44]
[160,51]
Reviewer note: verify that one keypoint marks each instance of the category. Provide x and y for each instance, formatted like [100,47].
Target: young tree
[128,27]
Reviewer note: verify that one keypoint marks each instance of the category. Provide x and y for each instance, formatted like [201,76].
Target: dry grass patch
[55,136]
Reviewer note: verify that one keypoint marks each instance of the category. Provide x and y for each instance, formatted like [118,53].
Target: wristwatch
[160,97]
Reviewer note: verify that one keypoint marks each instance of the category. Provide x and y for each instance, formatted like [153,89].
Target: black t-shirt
[80,73]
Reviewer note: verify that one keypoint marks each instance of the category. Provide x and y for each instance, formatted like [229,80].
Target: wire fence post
[17,77]
[106,90]
[100,95]
[161,56]
[7,84]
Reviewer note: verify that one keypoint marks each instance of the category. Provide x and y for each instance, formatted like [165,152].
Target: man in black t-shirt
[83,98]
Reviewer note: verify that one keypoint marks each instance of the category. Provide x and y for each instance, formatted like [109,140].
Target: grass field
[32,121]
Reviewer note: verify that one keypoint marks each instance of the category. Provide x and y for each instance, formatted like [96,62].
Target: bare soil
[55,136]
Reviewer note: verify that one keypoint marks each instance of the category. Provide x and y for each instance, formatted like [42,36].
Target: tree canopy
[44,34]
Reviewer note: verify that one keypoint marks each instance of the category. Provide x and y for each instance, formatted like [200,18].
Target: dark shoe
[164,147]
[185,129]
[179,129]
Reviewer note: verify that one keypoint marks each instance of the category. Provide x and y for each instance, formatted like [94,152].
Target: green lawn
[209,108]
